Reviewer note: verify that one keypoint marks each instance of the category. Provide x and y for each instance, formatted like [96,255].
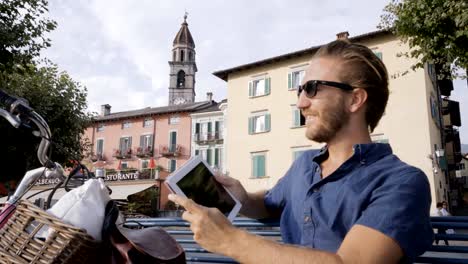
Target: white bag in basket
[84,207]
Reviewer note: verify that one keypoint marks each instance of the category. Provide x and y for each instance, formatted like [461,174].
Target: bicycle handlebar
[20,112]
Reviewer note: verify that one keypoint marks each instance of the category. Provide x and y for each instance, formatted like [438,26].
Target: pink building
[125,143]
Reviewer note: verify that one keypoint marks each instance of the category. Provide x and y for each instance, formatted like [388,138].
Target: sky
[119,49]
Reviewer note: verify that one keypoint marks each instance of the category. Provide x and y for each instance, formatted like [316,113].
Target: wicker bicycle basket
[60,242]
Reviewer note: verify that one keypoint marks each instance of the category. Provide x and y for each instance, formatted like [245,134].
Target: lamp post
[159,180]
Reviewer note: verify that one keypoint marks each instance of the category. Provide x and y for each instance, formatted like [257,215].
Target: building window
[174,120]
[180,79]
[298,153]
[124,165]
[203,131]
[126,124]
[148,122]
[217,158]
[125,144]
[295,79]
[172,165]
[100,127]
[259,123]
[259,87]
[378,54]
[182,55]
[99,146]
[144,164]
[172,141]
[298,119]
[146,141]
[379,138]
[435,111]
[258,165]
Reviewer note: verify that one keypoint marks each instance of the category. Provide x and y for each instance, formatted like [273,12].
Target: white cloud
[119,49]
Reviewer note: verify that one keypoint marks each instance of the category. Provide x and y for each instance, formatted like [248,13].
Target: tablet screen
[201,186]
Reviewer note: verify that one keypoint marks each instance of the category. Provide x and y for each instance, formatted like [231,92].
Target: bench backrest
[455,253]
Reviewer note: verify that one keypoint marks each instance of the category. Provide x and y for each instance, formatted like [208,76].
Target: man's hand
[211,229]
[234,186]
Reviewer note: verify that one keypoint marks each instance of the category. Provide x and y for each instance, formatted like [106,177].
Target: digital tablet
[195,180]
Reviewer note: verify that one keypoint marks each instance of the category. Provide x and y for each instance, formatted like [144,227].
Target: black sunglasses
[310,87]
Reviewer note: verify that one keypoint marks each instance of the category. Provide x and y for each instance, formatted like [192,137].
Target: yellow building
[266,131]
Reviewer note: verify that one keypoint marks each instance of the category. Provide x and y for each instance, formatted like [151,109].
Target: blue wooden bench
[455,253]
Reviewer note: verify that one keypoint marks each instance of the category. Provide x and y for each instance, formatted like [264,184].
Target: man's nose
[302,101]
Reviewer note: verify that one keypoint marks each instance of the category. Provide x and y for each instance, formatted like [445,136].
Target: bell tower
[182,67]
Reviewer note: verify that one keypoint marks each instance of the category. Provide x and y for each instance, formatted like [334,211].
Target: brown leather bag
[133,246]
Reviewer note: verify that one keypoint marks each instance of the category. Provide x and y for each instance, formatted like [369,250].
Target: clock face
[179,100]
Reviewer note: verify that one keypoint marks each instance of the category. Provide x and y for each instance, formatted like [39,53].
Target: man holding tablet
[352,201]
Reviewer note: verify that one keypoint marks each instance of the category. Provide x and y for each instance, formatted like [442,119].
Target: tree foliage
[22,30]
[52,93]
[436,31]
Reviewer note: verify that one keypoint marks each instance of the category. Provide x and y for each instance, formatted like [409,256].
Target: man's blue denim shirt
[372,188]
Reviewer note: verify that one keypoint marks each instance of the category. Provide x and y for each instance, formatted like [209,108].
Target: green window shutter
[250,89]
[121,145]
[261,166]
[267,85]
[267,122]
[251,125]
[290,81]
[197,152]
[197,128]
[255,166]
[208,156]
[378,54]
[216,158]
[150,141]
[217,126]
[209,127]
[142,141]
[296,118]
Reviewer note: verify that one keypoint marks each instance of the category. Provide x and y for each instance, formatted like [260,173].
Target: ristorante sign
[125,176]
[110,176]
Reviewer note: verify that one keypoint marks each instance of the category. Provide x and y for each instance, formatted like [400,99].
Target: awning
[119,192]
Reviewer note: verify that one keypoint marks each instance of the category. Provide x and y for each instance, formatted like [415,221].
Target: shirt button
[307,219]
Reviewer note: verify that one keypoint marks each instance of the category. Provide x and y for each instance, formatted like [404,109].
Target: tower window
[190,56]
[180,79]
[174,55]
[182,55]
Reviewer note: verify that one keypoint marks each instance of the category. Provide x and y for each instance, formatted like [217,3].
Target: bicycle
[20,220]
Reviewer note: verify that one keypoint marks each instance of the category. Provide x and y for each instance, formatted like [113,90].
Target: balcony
[451,112]
[206,138]
[97,157]
[144,152]
[122,153]
[173,150]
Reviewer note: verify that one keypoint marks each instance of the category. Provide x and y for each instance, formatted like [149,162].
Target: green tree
[22,30]
[436,31]
[53,94]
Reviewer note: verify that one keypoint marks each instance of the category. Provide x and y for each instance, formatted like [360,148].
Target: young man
[351,202]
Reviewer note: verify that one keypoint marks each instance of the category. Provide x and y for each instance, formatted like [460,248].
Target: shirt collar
[364,153]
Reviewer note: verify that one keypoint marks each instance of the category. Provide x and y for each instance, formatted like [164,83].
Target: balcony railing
[144,152]
[122,153]
[205,138]
[170,150]
[97,157]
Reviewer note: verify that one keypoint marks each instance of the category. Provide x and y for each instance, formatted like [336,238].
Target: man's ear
[358,99]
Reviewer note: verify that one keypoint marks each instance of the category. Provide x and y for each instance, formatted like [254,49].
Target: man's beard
[332,119]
